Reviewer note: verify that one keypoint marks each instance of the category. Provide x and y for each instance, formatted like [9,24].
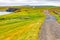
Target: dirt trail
[50,29]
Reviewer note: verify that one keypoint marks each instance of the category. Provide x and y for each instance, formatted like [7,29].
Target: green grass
[21,25]
[56,16]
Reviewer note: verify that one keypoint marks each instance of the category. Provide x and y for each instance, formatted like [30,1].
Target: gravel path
[50,30]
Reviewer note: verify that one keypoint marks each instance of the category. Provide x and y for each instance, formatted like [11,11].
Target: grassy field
[57,15]
[22,25]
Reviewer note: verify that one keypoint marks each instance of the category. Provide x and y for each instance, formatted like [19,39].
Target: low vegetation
[56,12]
[23,25]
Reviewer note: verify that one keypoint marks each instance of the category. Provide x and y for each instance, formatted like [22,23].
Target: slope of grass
[21,25]
[57,16]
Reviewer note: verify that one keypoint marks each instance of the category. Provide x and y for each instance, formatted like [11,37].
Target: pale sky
[29,2]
